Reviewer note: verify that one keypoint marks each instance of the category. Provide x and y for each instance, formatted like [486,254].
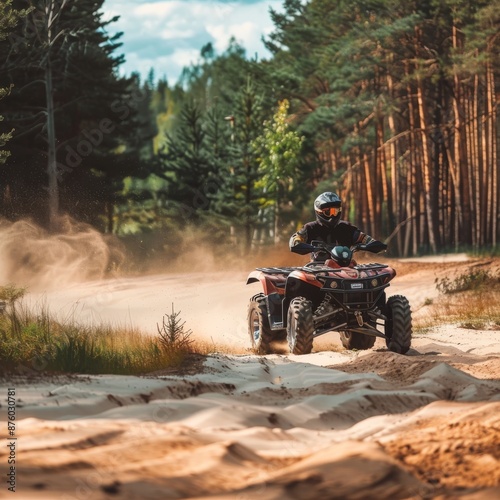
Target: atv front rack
[320,268]
[372,265]
[277,270]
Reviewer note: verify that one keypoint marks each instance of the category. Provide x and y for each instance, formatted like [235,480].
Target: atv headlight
[374,282]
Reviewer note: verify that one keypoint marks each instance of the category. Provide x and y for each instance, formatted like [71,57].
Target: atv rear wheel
[398,324]
[259,330]
[355,340]
[300,326]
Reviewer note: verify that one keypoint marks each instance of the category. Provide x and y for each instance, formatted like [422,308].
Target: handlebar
[374,246]
[316,245]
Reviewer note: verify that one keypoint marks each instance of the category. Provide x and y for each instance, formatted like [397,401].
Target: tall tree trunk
[394,208]
[490,164]
[411,192]
[469,167]
[248,199]
[482,199]
[51,147]
[456,163]
[52,13]
[495,164]
[426,156]
[370,199]
[383,202]
[476,176]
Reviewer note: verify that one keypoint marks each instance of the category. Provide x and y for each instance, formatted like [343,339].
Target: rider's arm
[297,238]
[363,238]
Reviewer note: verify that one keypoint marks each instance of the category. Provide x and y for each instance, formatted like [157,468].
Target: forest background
[392,104]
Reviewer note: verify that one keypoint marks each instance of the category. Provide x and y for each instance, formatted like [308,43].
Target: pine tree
[72,113]
[400,100]
[208,157]
[247,124]
[186,165]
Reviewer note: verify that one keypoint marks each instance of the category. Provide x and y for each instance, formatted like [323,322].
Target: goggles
[330,211]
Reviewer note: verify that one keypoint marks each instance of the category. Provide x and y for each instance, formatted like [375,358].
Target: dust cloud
[86,277]
[31,256]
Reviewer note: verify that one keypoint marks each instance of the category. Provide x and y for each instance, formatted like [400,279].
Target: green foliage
[279,149]
[104,350]
[4,136]
[237,200]
[10,295]
[366,83]
[190,165]
[9,18]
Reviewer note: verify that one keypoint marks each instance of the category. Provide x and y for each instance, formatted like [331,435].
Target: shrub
[172,333]
[473,280]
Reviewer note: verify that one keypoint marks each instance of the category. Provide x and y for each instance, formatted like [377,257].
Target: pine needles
[172,333]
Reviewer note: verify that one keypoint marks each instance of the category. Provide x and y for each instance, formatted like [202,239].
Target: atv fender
[259,276]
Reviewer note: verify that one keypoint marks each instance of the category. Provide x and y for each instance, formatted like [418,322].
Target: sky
[168,35]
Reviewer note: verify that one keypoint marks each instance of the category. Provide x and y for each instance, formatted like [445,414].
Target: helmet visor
[330,211]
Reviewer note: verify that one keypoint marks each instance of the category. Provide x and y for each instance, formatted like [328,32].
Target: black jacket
[343,233]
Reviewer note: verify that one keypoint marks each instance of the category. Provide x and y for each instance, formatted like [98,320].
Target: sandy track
[332,424]
[213,304]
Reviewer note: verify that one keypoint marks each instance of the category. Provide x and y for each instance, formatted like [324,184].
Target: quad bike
[338,295]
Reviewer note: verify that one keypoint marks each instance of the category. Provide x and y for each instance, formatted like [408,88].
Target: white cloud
[169,34]
[163,66]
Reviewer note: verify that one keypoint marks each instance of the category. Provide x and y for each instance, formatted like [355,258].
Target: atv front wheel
[300,326]
[398,324]
[259,330]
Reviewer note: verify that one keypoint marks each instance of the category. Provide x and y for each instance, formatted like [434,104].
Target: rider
[328,228]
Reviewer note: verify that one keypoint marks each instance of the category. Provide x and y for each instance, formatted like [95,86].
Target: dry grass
[471,300]
[31,340]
